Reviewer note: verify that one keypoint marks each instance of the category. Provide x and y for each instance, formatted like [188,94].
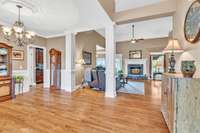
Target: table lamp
[172,48]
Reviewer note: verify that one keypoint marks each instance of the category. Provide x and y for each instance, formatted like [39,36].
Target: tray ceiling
[54,17]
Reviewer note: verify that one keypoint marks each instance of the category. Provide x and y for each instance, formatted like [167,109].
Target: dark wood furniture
[55,69]
[6,91]
[39,65]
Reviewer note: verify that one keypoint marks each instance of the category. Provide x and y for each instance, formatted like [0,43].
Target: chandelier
[17,32]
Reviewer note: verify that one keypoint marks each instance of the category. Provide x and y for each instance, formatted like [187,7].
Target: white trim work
[44,57]
[110,63]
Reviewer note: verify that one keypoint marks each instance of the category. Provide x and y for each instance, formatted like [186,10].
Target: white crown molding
[89,28]
[54,36]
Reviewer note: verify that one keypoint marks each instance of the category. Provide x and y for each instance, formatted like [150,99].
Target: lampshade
[7,30]
[80,61]
[173,46]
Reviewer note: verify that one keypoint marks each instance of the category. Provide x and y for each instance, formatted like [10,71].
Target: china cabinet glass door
[4,64]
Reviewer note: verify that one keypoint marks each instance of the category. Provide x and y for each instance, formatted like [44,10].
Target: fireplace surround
[136,68]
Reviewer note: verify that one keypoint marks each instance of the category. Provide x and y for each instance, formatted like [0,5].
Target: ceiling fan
[135,40]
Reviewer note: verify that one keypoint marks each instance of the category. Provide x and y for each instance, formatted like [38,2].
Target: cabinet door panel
[5,90]
[164,106]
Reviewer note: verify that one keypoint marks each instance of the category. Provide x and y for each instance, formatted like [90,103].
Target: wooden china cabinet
[55,69]
[6,91]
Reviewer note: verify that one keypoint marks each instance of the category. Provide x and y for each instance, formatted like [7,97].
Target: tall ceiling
[54,17]
[149,29]
[122,5]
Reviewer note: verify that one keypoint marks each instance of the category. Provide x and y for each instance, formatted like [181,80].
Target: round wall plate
[192,23]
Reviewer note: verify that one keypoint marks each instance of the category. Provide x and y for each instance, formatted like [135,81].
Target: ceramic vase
[188,68]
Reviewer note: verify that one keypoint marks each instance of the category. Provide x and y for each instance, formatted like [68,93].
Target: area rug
[133,88]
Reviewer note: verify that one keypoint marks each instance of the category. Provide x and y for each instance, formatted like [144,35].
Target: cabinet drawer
[5,82]
[5,90]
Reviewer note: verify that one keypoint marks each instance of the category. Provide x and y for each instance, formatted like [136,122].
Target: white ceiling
[101,32]
[54,17]
[122,5]
[155,28]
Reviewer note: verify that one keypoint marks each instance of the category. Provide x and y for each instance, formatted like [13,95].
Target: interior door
[39,65]
[55,69]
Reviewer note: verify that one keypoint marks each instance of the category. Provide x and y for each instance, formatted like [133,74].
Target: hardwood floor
[84,111]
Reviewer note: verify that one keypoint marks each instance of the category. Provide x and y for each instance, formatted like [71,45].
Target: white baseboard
[77,87]
[27,80]
[47,79]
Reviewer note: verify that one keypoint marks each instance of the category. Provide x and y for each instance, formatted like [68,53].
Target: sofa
[99,80]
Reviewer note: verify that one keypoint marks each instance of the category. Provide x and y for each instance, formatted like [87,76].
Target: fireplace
[135,69]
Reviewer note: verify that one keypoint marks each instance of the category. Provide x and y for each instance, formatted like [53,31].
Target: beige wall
[147,46]
[57,43]
[22,65]
[86,41]
[191,50]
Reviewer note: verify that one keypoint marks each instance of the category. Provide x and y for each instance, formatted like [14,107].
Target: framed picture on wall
[135,54]
[18,55]
[87,57]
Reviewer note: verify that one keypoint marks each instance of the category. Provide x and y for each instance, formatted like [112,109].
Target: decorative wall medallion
[29,6]
[192,23]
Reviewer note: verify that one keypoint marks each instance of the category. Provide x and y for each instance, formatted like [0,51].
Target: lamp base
[172,63]
[171,71]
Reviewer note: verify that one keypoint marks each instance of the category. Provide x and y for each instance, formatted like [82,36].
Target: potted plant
[18,79]
[120,73]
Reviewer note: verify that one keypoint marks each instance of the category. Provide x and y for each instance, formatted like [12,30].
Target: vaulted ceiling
[149,29]
[152,18]
[51,18]
[122,5]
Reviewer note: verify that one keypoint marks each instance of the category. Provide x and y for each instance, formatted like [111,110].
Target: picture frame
[87,57]
[18,55]
[135,54]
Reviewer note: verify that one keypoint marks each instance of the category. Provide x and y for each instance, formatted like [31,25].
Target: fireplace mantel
[136,61]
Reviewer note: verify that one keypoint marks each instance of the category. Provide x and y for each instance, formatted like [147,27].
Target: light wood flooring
[84,111]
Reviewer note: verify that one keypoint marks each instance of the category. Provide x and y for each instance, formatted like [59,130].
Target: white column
[110,62]
[69,62]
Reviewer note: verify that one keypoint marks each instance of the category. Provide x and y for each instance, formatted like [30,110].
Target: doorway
[36,64]
[55,69]
[157,66]
[39,62]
